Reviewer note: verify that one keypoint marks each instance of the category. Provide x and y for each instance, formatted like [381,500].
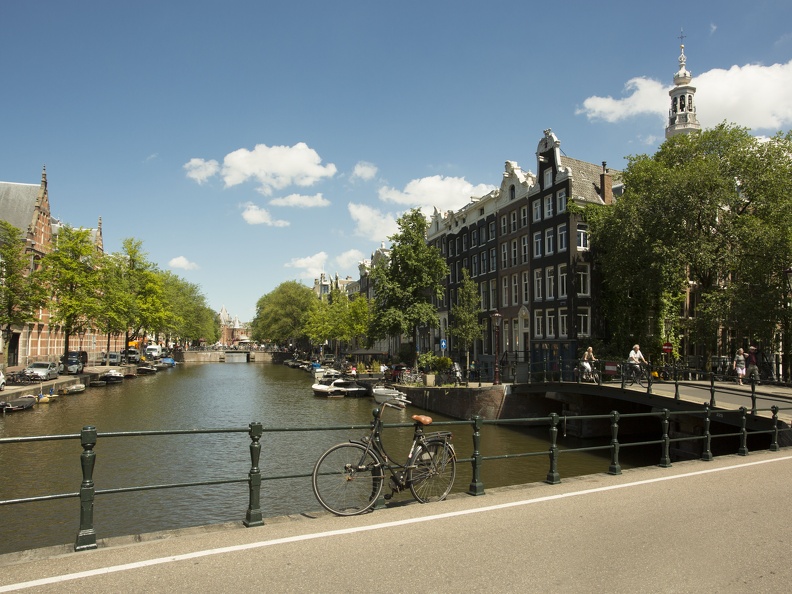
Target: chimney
[606,184]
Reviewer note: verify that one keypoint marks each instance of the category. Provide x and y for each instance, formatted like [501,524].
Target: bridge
[697,526]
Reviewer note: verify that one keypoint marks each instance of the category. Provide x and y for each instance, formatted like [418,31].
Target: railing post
[476,486]
[552,477]
[753,398]
[665,459]
[623,367]
[743,451]
[253,516]
[615,468]
[676,382]
[706,455]
[530,368]
[774,447]
[712,390]
[86,537]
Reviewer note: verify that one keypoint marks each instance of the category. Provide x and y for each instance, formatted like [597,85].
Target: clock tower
[682,115]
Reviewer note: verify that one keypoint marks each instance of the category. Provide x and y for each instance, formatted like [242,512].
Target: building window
[475,262]
[493,260]
[491,231]
[550,282]
[582,236]
[444,246]
[550,323]
[537,210]
[583,322]
[548,178]
[512,192]
[549,241]
[483,234]
[538,319]
[563,329]
[548,207]
[505,291]
[583,280]
[562,281]
[504,255]
[562,238]
[493,298]
[504,225]
[561,201]
[483,262]
[483,292]
[513,220]
[526,286]
[473,238]
[514,252]
[458,271]
[538,284]
[525,249]
[537,245]
[524,216]
[515,289]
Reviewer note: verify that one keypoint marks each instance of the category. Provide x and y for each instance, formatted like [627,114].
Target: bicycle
[589,375]
[349,477]
[636,373]
[409,376]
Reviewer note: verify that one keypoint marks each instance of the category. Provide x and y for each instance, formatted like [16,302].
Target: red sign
[668,347]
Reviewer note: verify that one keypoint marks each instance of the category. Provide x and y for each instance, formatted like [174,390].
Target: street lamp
[496,319]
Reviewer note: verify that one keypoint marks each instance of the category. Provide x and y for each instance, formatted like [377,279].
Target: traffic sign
[668,347]
[443,343]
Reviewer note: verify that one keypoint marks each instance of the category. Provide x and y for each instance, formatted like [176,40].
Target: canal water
[210,396]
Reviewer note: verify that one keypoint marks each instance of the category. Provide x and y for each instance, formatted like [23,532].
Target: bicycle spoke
[432,472]
[347,479]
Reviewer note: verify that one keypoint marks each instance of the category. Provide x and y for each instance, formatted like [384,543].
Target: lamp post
[787,338]
[496,319]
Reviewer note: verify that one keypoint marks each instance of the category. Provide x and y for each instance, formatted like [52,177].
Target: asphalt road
[715,526]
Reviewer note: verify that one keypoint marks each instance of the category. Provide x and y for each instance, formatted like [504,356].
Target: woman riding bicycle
[588,360]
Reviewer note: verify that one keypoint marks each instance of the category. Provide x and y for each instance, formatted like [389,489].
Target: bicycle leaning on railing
[349,477]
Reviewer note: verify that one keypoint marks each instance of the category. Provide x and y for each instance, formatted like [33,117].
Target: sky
[250,143]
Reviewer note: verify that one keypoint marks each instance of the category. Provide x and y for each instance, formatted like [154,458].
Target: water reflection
[212,396]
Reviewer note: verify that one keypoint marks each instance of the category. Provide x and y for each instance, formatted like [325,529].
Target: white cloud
[713,28]
[349,259]
[200,170]
[311,266]
[275,167]
[365,171]
[755,96]
[301,201]
[370,223]
[255,215]
[182,263]
[445,193]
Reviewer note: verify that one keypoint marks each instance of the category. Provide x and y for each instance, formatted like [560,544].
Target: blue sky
[250,143]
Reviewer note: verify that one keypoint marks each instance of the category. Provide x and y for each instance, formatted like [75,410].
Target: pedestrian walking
[752,365]
[739,366]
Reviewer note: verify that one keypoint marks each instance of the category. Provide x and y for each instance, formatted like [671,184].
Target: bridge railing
[90,439]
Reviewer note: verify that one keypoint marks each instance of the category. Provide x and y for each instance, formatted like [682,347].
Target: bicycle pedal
[388,496]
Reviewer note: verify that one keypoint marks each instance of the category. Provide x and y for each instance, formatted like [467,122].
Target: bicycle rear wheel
[347,479]
[432,471]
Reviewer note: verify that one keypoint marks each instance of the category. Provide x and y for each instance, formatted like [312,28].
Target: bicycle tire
[347,479]
[432,471]
[642,378]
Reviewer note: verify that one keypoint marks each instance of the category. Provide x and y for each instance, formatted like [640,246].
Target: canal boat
[339,388]
[382,393]
[73,389]
[17,404]
[146,369]
[112,377]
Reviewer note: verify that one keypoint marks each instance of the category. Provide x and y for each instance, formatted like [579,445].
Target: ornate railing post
[530,368]
[86,537]
[253,516]
[553,477]
[743,451]
[753,398]
[476,486]
[665,459]
[649,379]
[774,447]
[706,455]
[615,468]
[676,382]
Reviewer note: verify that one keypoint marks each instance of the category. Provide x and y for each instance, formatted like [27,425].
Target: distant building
[682,114]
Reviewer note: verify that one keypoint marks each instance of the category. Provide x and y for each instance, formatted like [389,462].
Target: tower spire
[682,115]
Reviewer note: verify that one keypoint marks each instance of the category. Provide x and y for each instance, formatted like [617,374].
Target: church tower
[682,115]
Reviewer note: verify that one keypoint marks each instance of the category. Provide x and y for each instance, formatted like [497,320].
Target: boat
[325,373]
[73,389]
[146,369]
[338,388]
[169,361]
[42,398]
[112,377]
[382,393]
[97,383]
[17,404]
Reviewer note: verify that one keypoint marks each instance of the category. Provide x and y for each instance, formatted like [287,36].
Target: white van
[153,351]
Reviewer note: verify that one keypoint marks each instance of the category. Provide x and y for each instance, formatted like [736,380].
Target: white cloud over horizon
[182,263]
[301,201]
[311,266]
[754,96]
[365,171]
[349,259]
[371,223]
[255,215]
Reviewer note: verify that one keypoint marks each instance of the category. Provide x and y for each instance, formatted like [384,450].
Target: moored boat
[338,388]
[381,393]
[73,389]
[17,404]
[113,376]
[146,369]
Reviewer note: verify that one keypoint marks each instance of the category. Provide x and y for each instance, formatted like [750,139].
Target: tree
[711,211]
[117,302]
[146,286]
[465,324]
[406,283]
[281,315]
[70,275]
[20,294]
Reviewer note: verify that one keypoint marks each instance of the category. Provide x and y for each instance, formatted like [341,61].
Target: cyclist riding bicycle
[635,358]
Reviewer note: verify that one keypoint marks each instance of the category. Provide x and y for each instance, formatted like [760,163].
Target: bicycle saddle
[422,419]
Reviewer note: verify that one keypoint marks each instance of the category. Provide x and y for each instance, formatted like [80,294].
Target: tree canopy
[281,315]
[20,295]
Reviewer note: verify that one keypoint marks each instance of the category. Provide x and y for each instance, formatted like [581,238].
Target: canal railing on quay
[89,439]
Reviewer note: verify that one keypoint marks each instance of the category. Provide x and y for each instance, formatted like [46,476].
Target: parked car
[72,364]
[43,369]
[112,358]
[2,381]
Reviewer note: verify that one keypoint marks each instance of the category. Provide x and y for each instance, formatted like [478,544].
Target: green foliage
[20,294]
[464,323]
[281,315]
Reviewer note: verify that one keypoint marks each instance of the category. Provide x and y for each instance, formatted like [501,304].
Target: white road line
[290,539]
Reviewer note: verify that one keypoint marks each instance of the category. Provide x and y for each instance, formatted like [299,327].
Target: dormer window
[548,178]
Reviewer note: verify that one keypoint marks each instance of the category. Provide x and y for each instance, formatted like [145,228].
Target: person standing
[739,366]
[752,364]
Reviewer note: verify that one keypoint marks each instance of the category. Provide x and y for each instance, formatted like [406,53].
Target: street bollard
[253,517]
[86,537]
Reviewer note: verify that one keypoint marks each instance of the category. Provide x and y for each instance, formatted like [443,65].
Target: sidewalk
[697,526]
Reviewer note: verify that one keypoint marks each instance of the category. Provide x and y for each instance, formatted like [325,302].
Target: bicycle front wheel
[432,471]
[347,479]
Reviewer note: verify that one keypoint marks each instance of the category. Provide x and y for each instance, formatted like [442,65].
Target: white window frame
[504,225]
[514,253]
[584,321]
[561,201]
[548,207]
[563,238]
[513,221]
[504,255]
[537,210]
[538,284]
[563,324]
[505,291]
[493,264]
[537,244]
[582,237]
[549,241]
[524,216]
[550,282]
[550,323]
[548,178]
[526,249]
[538,323]
[493,293]
[515,289]
[583,273]
[526,286]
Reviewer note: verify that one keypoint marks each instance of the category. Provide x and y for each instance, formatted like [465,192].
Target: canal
[207,396]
